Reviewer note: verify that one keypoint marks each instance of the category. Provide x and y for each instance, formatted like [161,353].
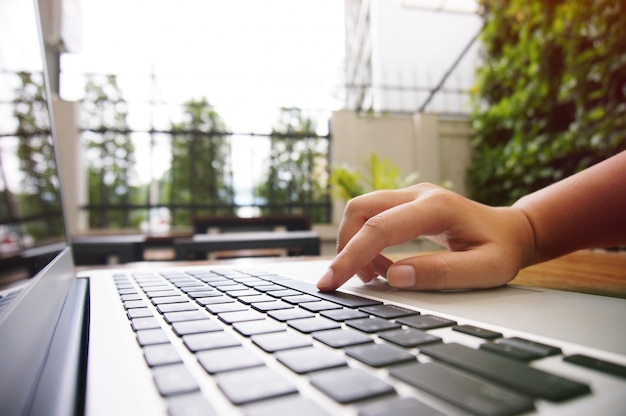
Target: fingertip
[326,283]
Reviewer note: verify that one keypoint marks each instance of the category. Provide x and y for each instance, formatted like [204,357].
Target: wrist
[527,237]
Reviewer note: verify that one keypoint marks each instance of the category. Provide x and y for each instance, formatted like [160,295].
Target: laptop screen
[31,220]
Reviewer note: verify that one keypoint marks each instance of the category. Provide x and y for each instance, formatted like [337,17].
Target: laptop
[257,338]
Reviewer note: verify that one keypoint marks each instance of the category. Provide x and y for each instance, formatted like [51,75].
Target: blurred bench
[208,225]
[201,246]
[107,249]
[267,223]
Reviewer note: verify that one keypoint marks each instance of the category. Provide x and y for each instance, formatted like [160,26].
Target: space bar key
[508,372]
[344,299]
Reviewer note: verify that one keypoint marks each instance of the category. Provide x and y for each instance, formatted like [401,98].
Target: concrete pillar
[72,168]
[427,147]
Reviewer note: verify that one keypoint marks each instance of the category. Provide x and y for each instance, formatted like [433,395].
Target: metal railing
[155,205]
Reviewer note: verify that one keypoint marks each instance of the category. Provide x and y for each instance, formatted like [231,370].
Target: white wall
[438,149]
[414,47]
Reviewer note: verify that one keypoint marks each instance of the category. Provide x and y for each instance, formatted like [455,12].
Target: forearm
[583,211]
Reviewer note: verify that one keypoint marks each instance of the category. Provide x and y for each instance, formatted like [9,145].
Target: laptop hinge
[62,384]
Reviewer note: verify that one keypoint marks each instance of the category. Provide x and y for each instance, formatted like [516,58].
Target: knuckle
[441,199]
[352,206]
[440,273]
[376,226]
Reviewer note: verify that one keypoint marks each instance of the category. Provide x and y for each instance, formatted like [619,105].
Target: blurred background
[167,111]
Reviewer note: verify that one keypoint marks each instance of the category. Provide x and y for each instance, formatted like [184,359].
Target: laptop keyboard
[259,335]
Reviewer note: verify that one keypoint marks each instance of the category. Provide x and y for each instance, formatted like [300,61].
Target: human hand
[487,245]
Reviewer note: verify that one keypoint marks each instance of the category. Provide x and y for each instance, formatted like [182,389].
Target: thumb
[472,269]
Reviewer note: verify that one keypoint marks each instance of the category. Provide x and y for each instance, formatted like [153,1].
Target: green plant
[380,174]
[550,98]
[296,176]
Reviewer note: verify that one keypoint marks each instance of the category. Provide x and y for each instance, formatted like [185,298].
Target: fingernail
[326,281]
[401,277]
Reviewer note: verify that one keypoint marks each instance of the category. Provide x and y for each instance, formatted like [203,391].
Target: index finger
[372,223]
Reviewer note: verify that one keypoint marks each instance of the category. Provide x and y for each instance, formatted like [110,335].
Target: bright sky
[246,56]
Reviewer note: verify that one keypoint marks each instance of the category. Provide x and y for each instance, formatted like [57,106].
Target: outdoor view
[194,166]
[223,108]
[228,116]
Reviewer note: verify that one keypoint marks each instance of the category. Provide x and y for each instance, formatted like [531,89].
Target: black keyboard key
[265,326]
[226,307]
[406,406]
[195,327]
[298,299]
[240,316]
[151,337]
[372,325]
[152,290]
[347,385]
[388,311]
[315,324]
[344,314]
[177,307]
[132,296]
[161,354]
[212,300]
[477,331]
[131,304]
[204,293]
[271,306]
[210,341]
[192,287]
[322,305]
[462,390]
[307,360]
[508,372]
[174,379]
[228,359]
[380,355]
[138,313]
[231,288]
[190,405]
[284,315]
[144,323]
[283,293]
[255,299]
[510,351]
[251,281]
[280,341]
[344,299]
[162,293]
[169,299]
[340,338]
[409,337]
[597,364]
[286,406]
[198,289]
[425,322]
[247,386]
[540,350]
[183,316]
